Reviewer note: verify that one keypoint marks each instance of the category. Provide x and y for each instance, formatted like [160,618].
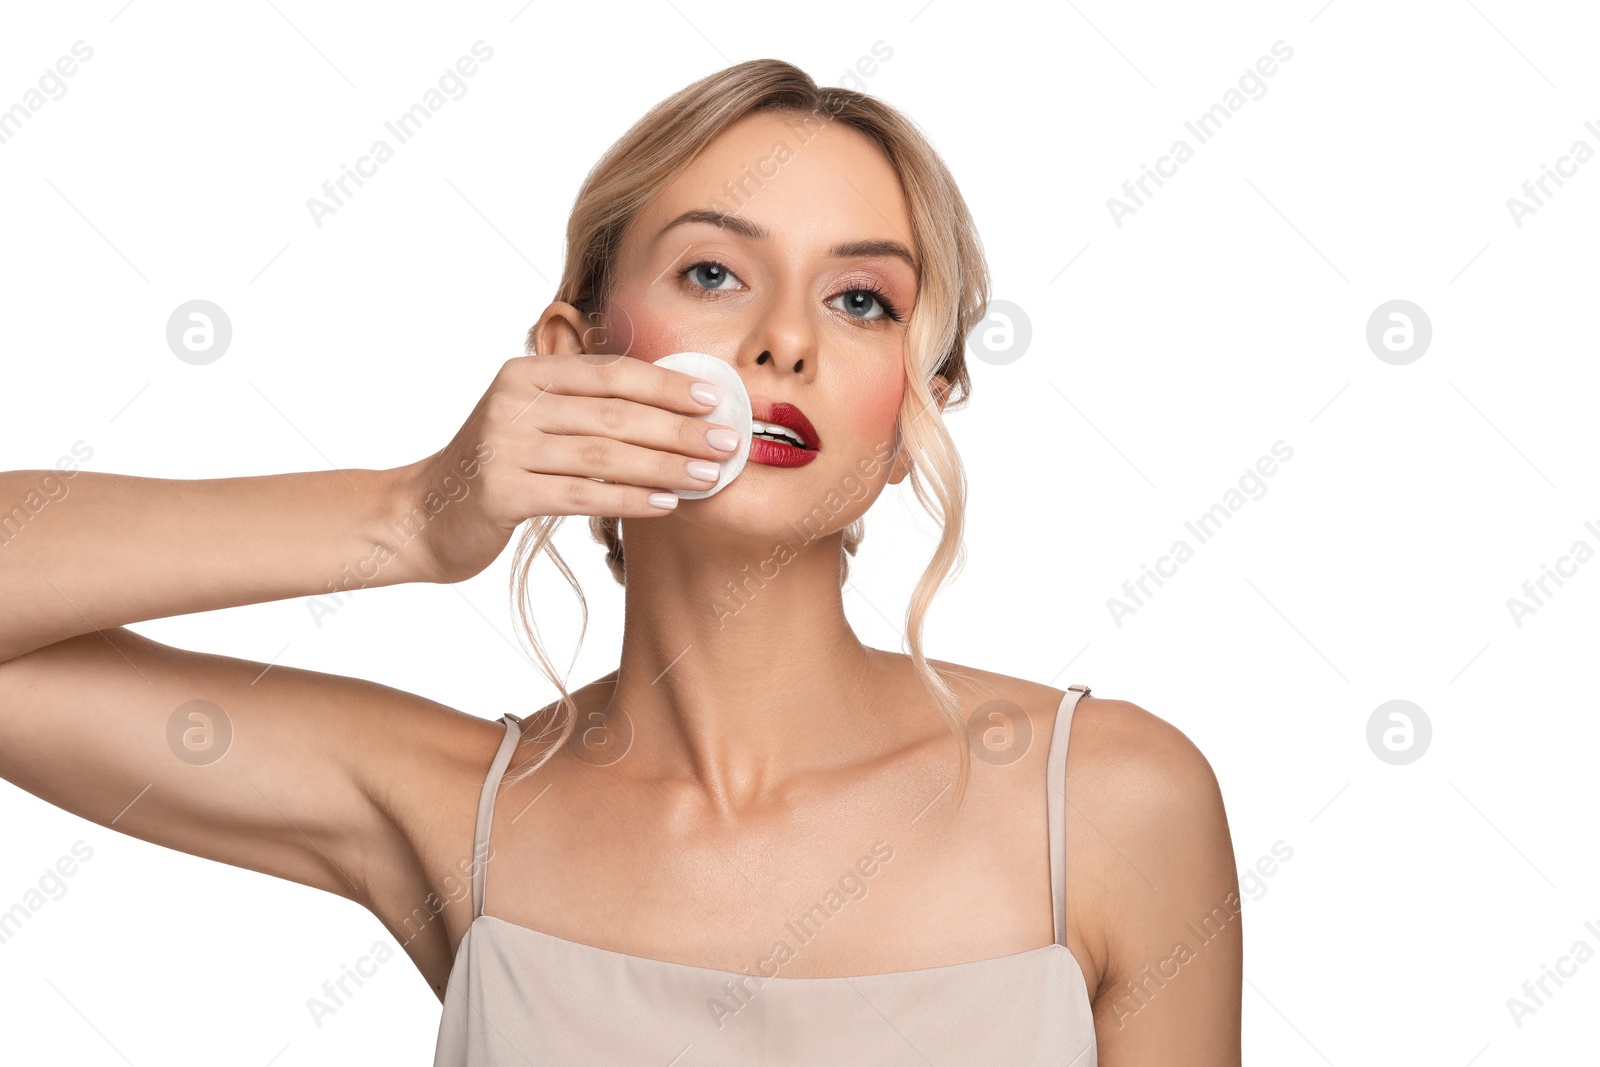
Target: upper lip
[786,415]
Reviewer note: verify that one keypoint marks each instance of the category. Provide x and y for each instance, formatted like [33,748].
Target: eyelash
[890,311]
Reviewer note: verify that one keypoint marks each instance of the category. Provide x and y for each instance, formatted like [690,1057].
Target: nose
[767,357]
[785,338]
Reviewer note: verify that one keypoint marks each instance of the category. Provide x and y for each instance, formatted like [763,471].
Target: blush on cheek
[653,339]
[636,331]
[649,332]
[877,406]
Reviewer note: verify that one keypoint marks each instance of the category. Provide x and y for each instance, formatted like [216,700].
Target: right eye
[709,274]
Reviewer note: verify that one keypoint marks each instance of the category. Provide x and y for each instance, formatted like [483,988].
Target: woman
[758,840]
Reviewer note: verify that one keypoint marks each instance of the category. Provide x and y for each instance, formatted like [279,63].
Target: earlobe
[939,386]
[898,472]
[561,330]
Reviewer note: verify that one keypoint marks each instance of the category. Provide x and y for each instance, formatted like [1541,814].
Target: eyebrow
[746,228]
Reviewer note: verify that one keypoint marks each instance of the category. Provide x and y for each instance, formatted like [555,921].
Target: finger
[618,461]
[553,494]
[622,377]
[632,423]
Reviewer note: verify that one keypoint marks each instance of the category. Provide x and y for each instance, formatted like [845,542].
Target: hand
[545,429]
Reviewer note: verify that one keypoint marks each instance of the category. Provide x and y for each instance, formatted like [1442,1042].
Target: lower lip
[772,454]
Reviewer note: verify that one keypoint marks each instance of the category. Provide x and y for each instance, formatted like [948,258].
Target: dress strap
[1056,805]
[491,785]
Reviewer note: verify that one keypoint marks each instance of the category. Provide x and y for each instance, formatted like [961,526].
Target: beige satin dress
[518,997]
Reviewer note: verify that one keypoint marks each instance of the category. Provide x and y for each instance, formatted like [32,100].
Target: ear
[939,386]
[564,330]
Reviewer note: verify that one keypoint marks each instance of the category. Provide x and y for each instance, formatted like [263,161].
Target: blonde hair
[953,291]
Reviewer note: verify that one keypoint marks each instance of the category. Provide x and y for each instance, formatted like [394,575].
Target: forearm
[91,551]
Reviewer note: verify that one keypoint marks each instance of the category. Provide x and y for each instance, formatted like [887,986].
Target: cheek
[648,332]
[876,407]
[640,332]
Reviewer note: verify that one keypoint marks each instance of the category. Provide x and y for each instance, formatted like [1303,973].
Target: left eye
[860,302]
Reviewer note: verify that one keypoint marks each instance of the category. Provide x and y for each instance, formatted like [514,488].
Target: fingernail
[726,440]
[664,501]
[703,469]
[704,393]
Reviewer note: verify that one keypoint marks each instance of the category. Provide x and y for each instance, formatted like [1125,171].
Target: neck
[739,670]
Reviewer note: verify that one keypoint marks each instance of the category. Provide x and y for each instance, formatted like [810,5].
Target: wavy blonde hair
[953,291]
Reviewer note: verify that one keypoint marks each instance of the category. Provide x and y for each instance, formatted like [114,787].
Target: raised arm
[330,781]
[220,757]
[110,549]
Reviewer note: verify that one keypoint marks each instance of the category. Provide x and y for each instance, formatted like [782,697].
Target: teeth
[774,430]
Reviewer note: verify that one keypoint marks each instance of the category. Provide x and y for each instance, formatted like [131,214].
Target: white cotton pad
[734,411]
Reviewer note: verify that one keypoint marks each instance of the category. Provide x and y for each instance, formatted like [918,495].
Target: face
[805,289]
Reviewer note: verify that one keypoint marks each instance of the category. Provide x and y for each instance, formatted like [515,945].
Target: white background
[1167,355]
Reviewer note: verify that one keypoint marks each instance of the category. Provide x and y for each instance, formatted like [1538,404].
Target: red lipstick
[777,449]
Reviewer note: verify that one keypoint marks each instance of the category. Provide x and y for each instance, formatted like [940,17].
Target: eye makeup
[859,284]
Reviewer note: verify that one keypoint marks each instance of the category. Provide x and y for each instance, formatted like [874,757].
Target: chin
[768,505]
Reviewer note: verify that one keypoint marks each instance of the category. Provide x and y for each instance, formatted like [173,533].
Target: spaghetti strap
[491,785]
[1056,805]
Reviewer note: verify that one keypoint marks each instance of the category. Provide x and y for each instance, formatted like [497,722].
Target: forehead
[813,182]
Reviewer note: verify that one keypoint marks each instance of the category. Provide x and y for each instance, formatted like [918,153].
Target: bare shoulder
[974,687]
[1141,774]
[1153,909]
[425,771]
[1152,886]
[1116,748]
[428,759]
[1119,750]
